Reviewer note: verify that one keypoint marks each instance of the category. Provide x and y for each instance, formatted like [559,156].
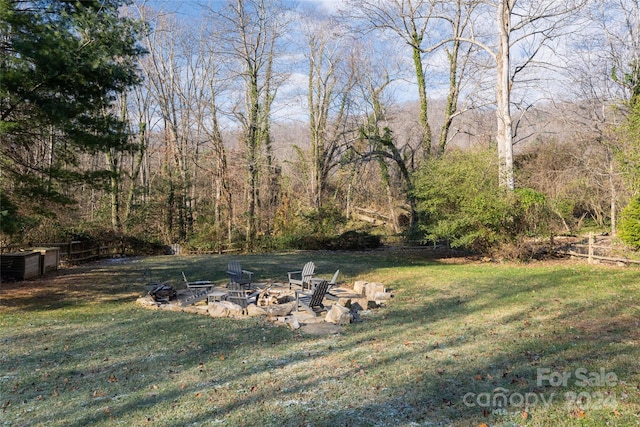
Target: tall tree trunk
[613,191]
[223,196]
[254,27]
[138,157]
[319,91]
[115,170]
[422,92]
[457,68]
[272,190]
[503,97]
[135,173]
[252,142]
[114,189]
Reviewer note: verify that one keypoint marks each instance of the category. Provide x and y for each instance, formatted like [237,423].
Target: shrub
[459,201]
[311,230]
[324,221]
[354,240]
[629,224]
[535,216]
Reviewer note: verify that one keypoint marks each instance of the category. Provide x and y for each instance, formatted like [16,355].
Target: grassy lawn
[558,341]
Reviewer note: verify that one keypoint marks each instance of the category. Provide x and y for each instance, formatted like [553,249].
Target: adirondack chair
[332,283]
[197,288]
[303,277]
[238,295]
[334,279]
[312,302]
[238,275]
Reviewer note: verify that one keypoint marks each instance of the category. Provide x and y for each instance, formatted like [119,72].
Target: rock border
[348,302]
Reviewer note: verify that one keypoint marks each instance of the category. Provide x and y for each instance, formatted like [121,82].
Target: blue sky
[291,94]
[192,7]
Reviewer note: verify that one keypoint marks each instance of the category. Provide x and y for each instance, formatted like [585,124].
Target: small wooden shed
[20,265]
[49,259]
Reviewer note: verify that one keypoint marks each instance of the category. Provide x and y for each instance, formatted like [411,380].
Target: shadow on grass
[107,368]
[418,361]
[403,386]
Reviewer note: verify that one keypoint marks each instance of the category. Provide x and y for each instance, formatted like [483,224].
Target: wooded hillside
[259,124]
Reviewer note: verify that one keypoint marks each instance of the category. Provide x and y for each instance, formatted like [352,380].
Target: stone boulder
[196,309]
[216,309]
[339,315]
[371,289]
[234,309]
[224,309]
[255,311]
[280,310]
[359,287]
[381,297]
[147,301]
[290,321]
[355,304]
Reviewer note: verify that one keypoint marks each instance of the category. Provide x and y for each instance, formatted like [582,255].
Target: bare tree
[331,76]
[376,141]
[426,27]
[458,15]
[410,20]
[139,111]
[207,65]
[252,29]
[165,74]
[529,27]
[600,79]
[621,23]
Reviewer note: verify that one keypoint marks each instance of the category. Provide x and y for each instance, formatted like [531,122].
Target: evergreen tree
[62,66]
[629,225]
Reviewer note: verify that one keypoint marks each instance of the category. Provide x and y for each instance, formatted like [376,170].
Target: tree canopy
[62,66]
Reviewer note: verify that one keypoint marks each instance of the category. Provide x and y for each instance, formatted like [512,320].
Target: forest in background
[261,125]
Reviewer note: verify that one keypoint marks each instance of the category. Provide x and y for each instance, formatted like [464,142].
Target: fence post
[591,247]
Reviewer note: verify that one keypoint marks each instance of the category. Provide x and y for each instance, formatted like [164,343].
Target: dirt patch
[64,287]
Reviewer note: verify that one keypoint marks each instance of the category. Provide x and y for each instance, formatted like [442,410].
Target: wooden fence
[75,252]
[596,249]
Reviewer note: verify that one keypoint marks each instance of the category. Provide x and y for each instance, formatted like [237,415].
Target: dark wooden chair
[238,275]
[332,283]
[312,301]
[237,294]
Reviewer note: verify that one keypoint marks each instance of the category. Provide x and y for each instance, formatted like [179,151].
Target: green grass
[76,350]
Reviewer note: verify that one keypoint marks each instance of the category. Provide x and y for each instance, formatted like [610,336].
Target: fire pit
[162,293]
[270,296]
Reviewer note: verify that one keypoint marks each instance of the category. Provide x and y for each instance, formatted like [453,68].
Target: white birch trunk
[503,96]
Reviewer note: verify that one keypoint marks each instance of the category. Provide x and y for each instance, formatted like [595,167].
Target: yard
[463,343]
